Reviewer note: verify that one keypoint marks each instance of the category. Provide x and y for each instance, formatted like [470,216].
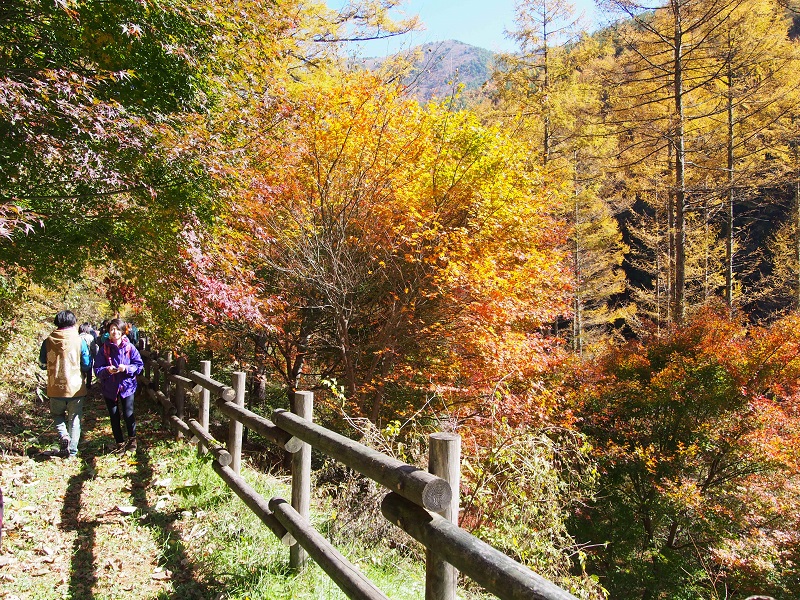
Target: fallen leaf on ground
[44,550]
[196,532]
[20,506]
[161,574]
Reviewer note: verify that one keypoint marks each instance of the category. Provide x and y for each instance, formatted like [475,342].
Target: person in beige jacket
[66,357]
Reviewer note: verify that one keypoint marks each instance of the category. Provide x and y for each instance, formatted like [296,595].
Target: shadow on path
[82,568]
[174,559]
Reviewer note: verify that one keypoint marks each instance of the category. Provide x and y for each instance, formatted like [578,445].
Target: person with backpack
[117,364]
[85,331]
[65,356]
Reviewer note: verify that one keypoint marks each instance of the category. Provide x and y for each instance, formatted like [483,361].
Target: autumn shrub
[695,432]
[354,500]
[520,484]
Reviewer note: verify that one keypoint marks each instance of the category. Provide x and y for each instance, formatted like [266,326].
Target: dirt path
[100,526]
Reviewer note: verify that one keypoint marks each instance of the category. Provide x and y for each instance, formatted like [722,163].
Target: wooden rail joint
[223,391]
[414,484]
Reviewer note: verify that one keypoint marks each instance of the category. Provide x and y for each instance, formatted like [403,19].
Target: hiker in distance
[116,365]
[85,331]
[66,357]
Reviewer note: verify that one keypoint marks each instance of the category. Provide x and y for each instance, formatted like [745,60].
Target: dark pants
[126,406]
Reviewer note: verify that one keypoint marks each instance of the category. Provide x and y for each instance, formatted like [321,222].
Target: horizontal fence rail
[499,574]
[429,491]
[261,425]
[221,454]
[254,502]
[225,392]
[352,582]
[423,504]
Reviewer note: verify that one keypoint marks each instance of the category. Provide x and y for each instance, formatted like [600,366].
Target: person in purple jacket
[116,365]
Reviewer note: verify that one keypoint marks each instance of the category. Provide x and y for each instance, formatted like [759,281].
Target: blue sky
[476,22]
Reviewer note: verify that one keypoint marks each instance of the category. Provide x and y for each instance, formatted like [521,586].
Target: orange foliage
[697,433]
[407,252]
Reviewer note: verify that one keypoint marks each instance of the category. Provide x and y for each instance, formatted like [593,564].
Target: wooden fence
[424,504]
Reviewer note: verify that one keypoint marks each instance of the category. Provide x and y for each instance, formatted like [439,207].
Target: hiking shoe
[118,448]
[131,444]
[63,447]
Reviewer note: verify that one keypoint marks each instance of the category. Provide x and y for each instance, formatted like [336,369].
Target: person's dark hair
[65,318]
[118,323]
[85,328]
[104,327]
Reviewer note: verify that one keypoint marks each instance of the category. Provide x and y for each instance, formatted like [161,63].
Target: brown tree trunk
[679,308]
[729,206]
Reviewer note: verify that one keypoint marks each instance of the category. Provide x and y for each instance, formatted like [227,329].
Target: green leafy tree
[520,486]
[89,91]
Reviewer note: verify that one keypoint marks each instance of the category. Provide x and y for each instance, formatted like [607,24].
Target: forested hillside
[591,270]
[441,69]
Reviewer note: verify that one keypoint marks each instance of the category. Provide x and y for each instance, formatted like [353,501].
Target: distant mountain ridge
[441,66]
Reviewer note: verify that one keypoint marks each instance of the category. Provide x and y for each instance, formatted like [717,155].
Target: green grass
[245,558]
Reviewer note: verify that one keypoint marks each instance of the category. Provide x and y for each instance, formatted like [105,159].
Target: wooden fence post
[165,382]
[235,427]
[156,385]
[444,460]
[144,346]
[205,404]
[180,393]
[165,386]
[301,477]
[140,393]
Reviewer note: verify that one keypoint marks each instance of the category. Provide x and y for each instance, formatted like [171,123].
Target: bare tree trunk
[577,325]
[706,252]
[296,367]
[679,309]
[729,207]
[545,107]
[795,145]
[670,266]
[659,284]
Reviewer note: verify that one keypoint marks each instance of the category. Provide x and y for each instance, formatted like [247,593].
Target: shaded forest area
[590,269]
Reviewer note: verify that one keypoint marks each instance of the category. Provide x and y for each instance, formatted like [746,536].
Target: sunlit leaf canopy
[588,267]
